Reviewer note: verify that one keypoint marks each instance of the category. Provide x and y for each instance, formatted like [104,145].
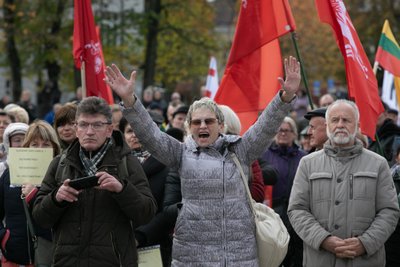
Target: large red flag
[87,48]
[361,81]
[254,64]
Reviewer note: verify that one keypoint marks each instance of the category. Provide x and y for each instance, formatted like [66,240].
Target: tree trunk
[11,49]
[53,68]
[152,7]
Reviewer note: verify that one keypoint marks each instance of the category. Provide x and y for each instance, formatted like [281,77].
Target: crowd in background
[302,132]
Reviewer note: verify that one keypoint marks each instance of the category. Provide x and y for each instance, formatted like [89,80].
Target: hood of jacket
[343,153]
[222,142]
[11,130]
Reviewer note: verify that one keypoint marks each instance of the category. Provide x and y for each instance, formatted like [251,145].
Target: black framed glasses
[285,131]
[97,125]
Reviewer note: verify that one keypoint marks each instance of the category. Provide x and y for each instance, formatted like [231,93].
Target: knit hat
[11,130]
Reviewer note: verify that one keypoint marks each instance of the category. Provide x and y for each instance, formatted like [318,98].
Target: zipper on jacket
[115,249]
[223,213]
[351,186]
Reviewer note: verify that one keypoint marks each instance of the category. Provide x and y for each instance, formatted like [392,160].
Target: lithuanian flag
[388,54]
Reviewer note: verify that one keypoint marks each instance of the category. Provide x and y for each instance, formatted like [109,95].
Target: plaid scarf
[90,165]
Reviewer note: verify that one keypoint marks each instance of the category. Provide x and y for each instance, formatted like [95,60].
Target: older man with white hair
[343,202]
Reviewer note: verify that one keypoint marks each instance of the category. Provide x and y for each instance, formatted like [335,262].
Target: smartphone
[84,182]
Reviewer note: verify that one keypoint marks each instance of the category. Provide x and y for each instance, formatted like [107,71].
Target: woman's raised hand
[124,88]
[292,78]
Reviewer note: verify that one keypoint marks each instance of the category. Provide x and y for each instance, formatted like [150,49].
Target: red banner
[254,64]
[361,81]
[87,48]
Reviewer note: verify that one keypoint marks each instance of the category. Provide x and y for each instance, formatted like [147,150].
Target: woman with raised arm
[215,226]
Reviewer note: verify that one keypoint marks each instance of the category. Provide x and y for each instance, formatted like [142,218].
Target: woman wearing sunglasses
[214,226]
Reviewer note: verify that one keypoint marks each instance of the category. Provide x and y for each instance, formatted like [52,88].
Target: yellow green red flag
[388,54]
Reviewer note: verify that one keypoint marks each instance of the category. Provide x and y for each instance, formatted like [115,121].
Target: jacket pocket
[364,185]
[320,183]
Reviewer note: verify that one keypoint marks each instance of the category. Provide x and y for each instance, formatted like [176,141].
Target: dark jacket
[285,161]
[96,230]
[157,231]
[389,138]
[13,227]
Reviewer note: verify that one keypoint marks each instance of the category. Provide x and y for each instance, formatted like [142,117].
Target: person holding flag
[215,226]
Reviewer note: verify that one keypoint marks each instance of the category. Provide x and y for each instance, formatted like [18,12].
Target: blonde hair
[208,103]
[42,130]
[19,113]
[232,122]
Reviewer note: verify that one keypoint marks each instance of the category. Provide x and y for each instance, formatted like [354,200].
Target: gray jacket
[215,226]
[346,193]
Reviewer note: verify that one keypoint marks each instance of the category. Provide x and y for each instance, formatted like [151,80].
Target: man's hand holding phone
[70,189]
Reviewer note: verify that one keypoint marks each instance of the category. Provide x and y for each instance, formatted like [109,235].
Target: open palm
[119,84]
[292,76]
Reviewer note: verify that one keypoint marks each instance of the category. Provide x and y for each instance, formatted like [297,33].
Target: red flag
[254,64]
[361,81]
[87,48]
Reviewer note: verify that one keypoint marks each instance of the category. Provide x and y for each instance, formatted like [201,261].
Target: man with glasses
[94,226]
[215,226]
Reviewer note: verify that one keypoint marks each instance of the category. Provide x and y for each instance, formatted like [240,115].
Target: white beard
[341,139]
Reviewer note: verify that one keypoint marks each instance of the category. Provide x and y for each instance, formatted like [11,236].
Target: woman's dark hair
[66,114]
[122,124]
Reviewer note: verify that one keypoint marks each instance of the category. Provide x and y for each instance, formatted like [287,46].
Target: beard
[341,136]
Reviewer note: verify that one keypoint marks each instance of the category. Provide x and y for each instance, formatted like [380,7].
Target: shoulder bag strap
[244,179]
[29,220]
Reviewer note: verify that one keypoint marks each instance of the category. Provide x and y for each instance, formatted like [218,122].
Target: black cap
[181,109]
[319,112]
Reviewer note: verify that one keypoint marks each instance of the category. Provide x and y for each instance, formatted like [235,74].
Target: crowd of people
[166,177]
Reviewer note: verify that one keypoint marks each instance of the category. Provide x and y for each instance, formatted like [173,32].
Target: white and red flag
[212,79]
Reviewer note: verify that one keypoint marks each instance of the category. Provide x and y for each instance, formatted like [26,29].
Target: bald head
[326,100]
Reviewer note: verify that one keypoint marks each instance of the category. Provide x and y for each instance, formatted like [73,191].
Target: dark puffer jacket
[96,230]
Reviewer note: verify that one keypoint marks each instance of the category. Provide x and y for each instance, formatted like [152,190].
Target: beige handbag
[271,234]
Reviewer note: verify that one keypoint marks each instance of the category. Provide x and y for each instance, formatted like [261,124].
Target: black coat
[96,230]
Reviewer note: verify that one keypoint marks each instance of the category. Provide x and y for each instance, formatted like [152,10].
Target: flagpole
[375,69]
[83,79]
[303,72]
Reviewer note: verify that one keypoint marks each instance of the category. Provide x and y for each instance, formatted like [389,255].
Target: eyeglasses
[208,121]
[97,126]
[285,131]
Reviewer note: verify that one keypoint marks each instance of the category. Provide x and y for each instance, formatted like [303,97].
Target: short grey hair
[205,102]
[347,102]
[94,105]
